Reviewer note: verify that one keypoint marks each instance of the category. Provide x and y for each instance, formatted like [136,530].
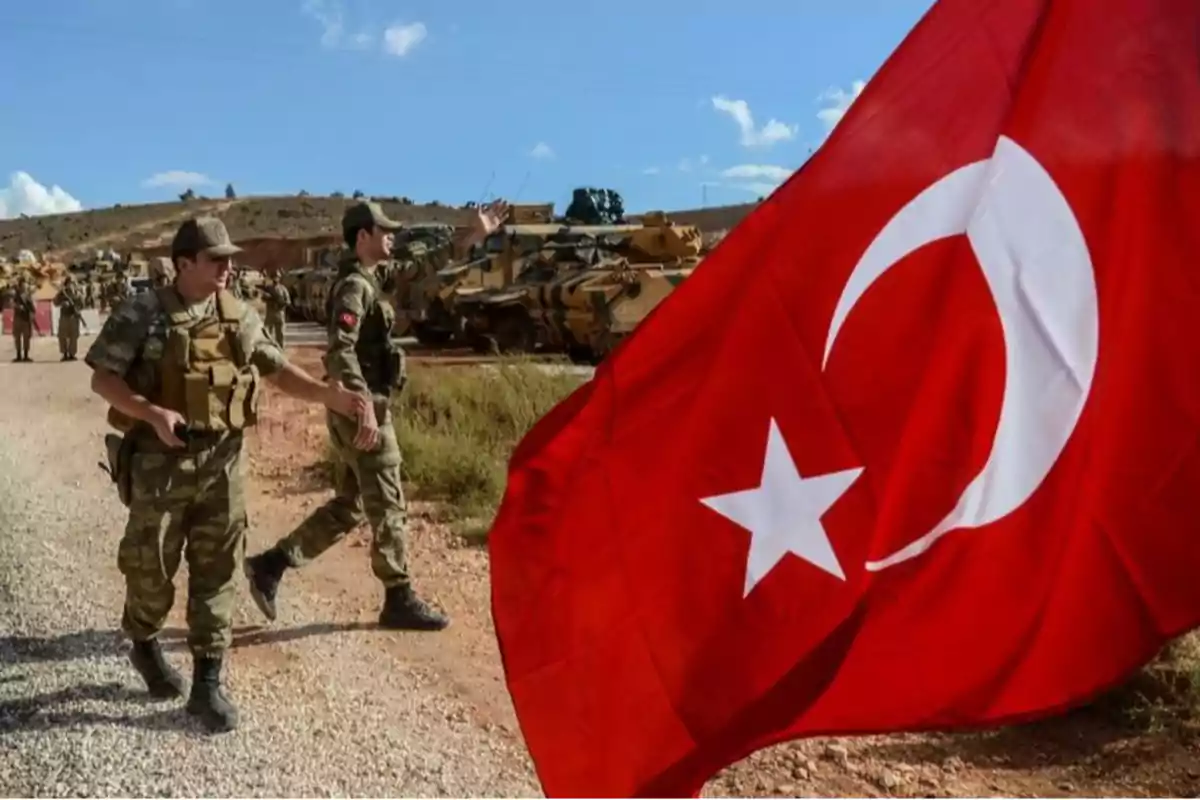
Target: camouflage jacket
[69,300]
[24,307]
[361,352]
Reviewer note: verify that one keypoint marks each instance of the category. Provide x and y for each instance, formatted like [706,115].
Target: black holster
[119,450]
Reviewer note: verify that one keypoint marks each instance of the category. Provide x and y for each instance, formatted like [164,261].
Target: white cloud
[399,40]
[840,101]
[177,179]
[24,195]
[651,171]
[541,150]
[332,18]
[739,110]
[768,172]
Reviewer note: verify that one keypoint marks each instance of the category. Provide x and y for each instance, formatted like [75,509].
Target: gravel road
[333,714]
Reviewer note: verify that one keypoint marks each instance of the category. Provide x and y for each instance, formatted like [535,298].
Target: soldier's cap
[368,213]
[203,235]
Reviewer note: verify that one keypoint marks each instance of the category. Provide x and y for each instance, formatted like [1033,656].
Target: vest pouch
[222,388]
[248,386]
[241,412]
[173,369]
[210,343]
[196,405]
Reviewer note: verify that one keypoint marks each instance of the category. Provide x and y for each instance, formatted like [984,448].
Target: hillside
[136,227]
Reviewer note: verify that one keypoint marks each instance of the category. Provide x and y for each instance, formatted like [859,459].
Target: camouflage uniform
[23,321]
[277,300]
[188,501]
[70,303]
[363,356]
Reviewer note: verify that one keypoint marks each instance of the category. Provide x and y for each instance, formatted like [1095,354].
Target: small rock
[1066,786]
[786,789]
[952,764]
[800,773]
[837,752]
[888,780]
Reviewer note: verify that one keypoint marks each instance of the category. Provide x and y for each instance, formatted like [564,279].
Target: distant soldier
[116,291]
[183,399]
[24,319]
[277,300]
[362,354]
[70,316]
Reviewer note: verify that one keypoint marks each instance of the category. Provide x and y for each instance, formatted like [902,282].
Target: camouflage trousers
[275,326]
[22,331]
[367,486]
[186,502]
[68,335]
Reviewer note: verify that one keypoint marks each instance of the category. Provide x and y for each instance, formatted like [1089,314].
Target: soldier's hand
[492,216]
[345,402]
[367,437]
[164,420]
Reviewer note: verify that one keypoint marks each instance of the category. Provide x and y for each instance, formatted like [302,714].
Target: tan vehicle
[496,264]
[315,293]
[584,292]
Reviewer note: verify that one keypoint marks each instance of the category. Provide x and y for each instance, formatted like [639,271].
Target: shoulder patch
[348,320]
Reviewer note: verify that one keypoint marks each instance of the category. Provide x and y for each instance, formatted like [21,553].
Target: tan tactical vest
[203,373]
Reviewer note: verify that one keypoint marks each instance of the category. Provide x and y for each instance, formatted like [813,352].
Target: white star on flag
[783,513]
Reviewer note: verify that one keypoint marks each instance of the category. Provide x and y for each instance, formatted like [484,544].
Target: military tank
[585,290]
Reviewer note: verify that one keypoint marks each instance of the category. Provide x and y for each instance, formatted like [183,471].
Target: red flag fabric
[915,448]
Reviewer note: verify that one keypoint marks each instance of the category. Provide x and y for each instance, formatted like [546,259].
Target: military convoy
[536,285]
[583,290]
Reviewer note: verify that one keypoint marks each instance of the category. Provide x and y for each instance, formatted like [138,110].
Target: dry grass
[458,425]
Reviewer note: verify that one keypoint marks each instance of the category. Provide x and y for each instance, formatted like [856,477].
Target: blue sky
[130,101]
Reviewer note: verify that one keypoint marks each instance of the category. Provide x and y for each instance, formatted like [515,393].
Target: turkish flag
[915,448]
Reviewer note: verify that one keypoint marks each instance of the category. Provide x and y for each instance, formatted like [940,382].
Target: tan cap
[203,235]
[368,212]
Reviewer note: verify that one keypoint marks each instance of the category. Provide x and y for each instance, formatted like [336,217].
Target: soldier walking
[362,354]
[24,320]
[70,316]
[179,367]
[277,300]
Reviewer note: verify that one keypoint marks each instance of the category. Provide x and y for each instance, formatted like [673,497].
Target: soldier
[70,303]
[277,300]
[362,354]
[24,319]
[179,367]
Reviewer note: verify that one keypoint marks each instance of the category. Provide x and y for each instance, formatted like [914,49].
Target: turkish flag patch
[348,320]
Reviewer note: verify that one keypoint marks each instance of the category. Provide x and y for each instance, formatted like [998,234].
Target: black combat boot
[265,571]
[403,610]
[208,700]
[162,680]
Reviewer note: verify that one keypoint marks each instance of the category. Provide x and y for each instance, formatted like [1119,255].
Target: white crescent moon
[1038,268]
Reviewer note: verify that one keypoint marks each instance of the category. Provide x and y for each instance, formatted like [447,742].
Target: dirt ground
[1102,751]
